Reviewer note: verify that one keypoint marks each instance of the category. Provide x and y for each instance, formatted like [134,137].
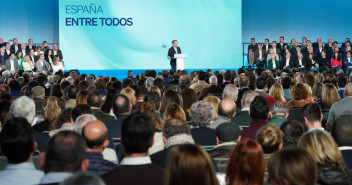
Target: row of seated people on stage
[30,57]
[304,56]
[223,127]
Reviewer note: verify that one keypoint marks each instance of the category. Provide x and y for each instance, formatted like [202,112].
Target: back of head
[185,162]
[72,91]
[231,92]
[246,164]
[227,108]
[137,132]
[23,107]
[228,132]
[82,120]
[174,110]
[17,140]
[94,99]
[322,147]
[83,178]
[292,166]
[120,105]
[348,90]
[201,113]
[341,131]
[38,92]
[312,112]
[248,97]
[213,80]
[174,127]
[95,134]
[292,131]
[259,108]
[79,110]
[278,107]
[286,82]
[270,138]
[243,81]
[65,152]
[201,75]
[261,83]
[154,99]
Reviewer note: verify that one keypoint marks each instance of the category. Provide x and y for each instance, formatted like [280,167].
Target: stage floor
[121,74]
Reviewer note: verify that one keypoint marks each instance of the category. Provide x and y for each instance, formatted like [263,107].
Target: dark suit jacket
[239,96]
[292,63]
[223,85]
[29,50]
[264,47]
[13,49]
[324,61]
[210,89]
[204,136]
[102,116]
[147,174]
[279,45]
[347,158]
[242,119]
[42,140]
[251,131]
[256,54]
[2,59]
[59,54]
[114,126]
[171,54]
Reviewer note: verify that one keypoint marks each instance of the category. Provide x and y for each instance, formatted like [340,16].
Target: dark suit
[281,47]
[13,48]
[2,60]
[242,119]
[28,49]
[7,55]
[204,136]
[210,89]
[264,47]
[171,54]
[292,63]
[256,56]
[147,174]
[102,116]
[240,95]
[347,158]
[59,54]
[114,126]
[315,45]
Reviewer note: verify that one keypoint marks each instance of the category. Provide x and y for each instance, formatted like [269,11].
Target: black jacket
[171,54]
[334,176]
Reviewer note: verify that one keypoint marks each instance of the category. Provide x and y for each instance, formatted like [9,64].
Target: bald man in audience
[226,111]
[96,136]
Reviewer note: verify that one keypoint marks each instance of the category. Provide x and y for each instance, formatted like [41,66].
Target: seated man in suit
[137,132]
[65,155]
[278,113]
[56,52]
[30,46]
[42,65]
[11,64]
[15,46]
[259,56]
[94,101]
[341,131]
[213,88]
[242,118]
[324,61]
[18,145]
[172,51]
[226,111]
[347,63]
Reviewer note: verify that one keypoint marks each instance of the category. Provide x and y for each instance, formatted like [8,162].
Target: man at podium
[172,51]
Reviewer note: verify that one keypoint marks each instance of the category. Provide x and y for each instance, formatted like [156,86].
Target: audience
[226,111]
[242,118]
[94,101]
[278,114]
[341,131]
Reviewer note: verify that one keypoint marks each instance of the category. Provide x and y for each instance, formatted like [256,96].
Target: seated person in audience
[272,52]
[65,155]
[94,101]
[201,84]
[71,95]
[299,93]
[329,95]
[137,132]
[347,63]
[259,110]
[38,95]
[51,111]
[227,80]
[342,108]
[201,115]
[122,109]
[42,65]
[286,83]
[56,52]
[324,61]
[259,56]
[242,118]
[11,64]
[230,91]
[300,63]
[341,83]
[213,88]
[83,178]
[227,135]
[27,64]
[246,164]
[336,62]
[243,84]
[175,132]
[278,114]
[57,65]
[273,63]
[154,99]
[287,62]
[96,137]
[276,93]
[261,85]
[312,63]
[341,131]
[226,111]
[325,152]
[292,131]
[18,145]
[25,107]
[185,162]
[292,166]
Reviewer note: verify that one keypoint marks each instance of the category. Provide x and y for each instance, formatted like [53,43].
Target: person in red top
[276,93]
[336,62]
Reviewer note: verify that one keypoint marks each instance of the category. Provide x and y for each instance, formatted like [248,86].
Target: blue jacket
[98,165]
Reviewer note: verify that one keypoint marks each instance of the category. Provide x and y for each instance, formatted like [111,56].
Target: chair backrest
[295,114]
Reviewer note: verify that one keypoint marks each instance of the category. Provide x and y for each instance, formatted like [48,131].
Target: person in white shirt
[42,65]
[32,57]
[38,51]
[23,49]
[27,64]
[57,65]
[11,64]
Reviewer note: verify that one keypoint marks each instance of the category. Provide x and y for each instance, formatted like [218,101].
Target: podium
[180,61]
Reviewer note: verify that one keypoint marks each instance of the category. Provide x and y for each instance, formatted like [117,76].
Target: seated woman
[325,152]
[276,93]
[299,93]
[57,65]
[19,58]
[336,62]
[312,64]
[27,64]
[273,63]
[329,96]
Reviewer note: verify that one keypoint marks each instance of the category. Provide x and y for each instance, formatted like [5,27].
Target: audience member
[94,101]
[83,178]
[242,118]
[342,133]
[278,114]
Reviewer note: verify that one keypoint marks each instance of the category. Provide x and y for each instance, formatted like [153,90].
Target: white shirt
[300,62]
[349,60]
[136,160]
[32,57]
[8,52]
[55,52]
[16,48]
[23,52]
[287,62]
[175,49]
[58,67]
[12,62]
[274,49]
[260,54]
[27,66]
[266,47]
[274,64]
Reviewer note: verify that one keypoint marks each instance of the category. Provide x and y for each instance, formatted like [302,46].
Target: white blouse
[58,67]
[27,66]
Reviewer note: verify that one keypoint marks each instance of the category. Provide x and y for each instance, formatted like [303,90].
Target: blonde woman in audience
[129,92]
[214,102]
[51,111]
[325,152]
[276,93]
[189,164]
[154,89]
[329,96]
[63,122]
[317,91]
[27,64]
[174,111]
[57,65]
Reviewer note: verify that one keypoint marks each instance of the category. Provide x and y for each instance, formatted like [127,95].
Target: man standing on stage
[172,51]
